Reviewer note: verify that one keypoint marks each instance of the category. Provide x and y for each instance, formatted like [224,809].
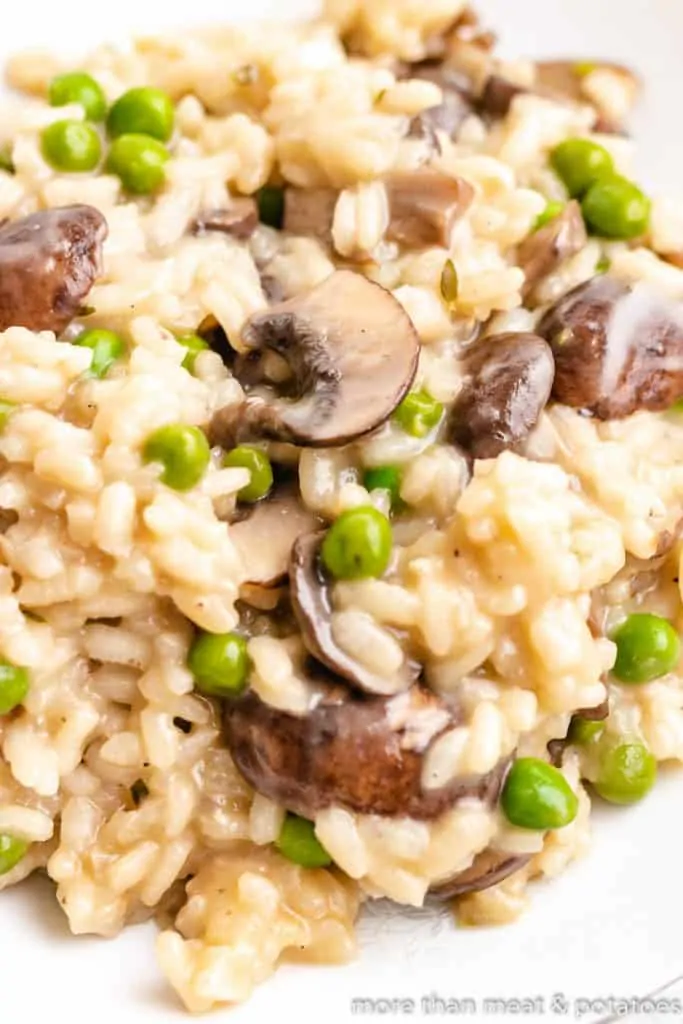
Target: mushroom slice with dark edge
[239,220]
[424,206]
[312,605]
[546,249]
[565,79]
[486,870]
[352,351]
[508,383]
[618,348]
[264,537]
[457,103]
[362,753]
[48,263]
[310,211]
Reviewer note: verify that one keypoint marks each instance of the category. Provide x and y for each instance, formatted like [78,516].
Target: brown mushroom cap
[424,206]
[239,220]
[546,249]
[364,754]
[618,348]
[352,351]
[509,381]
[264,537]
[312,606]
[48,264]
[487,869]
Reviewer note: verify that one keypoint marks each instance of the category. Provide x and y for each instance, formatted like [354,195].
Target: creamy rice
[508,573]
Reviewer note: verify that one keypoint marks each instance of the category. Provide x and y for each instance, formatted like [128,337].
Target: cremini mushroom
[265,535]
[424,206]
[361,753]
[239,220]
[310,593]
[352,351]
[618,348]
[310,212]
[48,264]
[544,250]
[508,382]
[486,870]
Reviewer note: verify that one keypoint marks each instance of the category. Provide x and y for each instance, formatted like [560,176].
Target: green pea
[194,345]
[14,685]
[298,842]
[142,111]
[385,478]
[358,544]
[627,771]
[219,663]
[79,87]
[647,647]
[418,413]
[580,162]
[536,795]
[6,162]
[616,208]
[107,347]
[6,410]
[258,464]
[271,206]
[183,452]
[553,209]
[12,850]
[139,161]
[584,730]
[71,146]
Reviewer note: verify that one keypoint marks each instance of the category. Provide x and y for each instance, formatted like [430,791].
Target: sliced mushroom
[546,249]
[364,754]
[48,264]
[599,713]
[239,220]
[352,351]
[498,94]
[457,103]
[618,348]
[565,80]
[310,211]
[424,206]
[312,605]
[487,869]
[509,379]
[264,538]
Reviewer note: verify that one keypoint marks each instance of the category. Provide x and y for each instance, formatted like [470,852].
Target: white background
[612,924]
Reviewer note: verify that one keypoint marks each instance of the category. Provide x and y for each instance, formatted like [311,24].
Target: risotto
[342,475]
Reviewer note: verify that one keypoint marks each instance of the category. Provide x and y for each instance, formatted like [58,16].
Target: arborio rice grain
[508,574]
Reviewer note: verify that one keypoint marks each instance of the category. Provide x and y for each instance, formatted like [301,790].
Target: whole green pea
[139,161]
[183,452]
[142,111]
[14,685]
[537,796]
[627,771]
[358,544]
[580,162]
[79,87]
[257,462]
[219,663]
[298,842]
[418,413]
[107,347]
[648,647]
[616,208]
[71,146]
[12,850]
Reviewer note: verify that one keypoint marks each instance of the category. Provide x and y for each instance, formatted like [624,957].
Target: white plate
[609,928]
